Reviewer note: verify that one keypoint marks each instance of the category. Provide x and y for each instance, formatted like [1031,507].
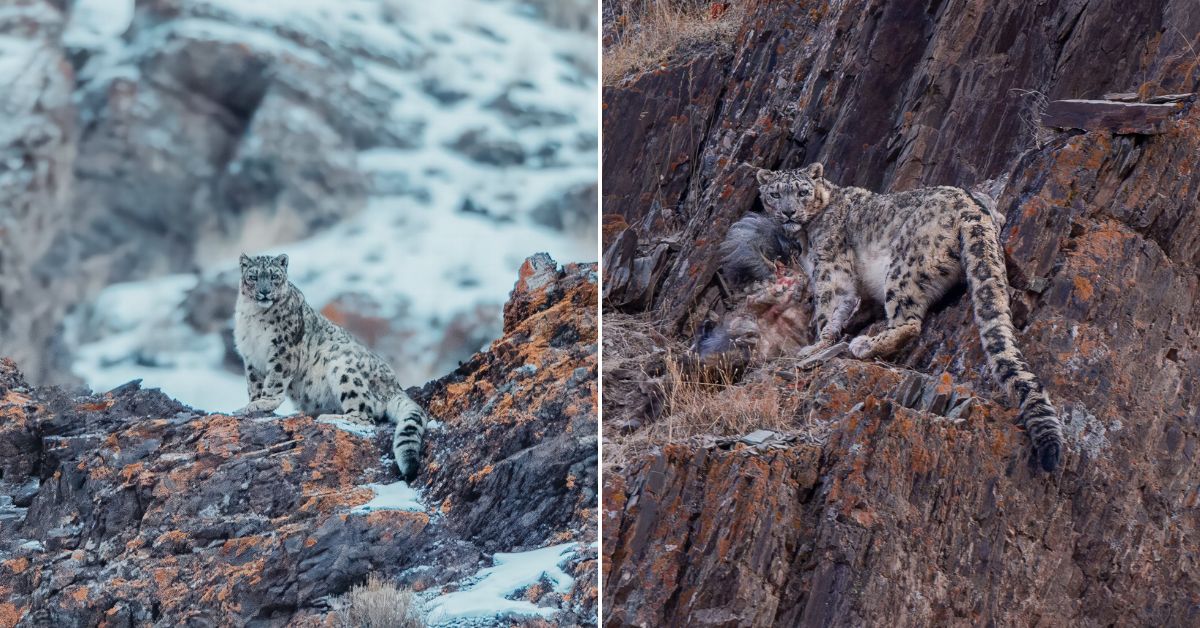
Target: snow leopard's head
[794,197]
[264,278]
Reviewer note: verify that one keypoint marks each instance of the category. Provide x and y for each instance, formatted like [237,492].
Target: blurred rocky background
[408,157]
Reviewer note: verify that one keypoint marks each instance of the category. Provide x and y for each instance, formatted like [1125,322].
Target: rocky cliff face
[901,492]
[126,508]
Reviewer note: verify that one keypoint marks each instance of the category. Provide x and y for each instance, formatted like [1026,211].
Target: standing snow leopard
[904,250]
[286,345]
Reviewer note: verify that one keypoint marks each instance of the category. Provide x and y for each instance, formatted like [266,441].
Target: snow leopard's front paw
[811,350]
[354,419]
[862,347]
[260,406]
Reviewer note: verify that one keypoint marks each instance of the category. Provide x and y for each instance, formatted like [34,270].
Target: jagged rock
[147,511]
[911,494]
[632,272]
[293,167]
[1118,117]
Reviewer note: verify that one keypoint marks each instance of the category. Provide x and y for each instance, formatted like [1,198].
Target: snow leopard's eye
[774,195]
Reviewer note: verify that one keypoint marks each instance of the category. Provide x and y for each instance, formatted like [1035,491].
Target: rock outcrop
[901,492]
[127,508]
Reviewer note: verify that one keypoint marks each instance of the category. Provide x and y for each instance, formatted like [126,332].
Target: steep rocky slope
[901,492]
[127,508]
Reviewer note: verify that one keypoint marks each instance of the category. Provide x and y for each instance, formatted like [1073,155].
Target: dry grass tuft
[378,604]
[693,408]
[655,395]
[1031,116]
[722,408]
[634,366]
[645,34]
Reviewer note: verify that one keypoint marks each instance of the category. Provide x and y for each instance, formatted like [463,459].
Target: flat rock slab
[1118,117]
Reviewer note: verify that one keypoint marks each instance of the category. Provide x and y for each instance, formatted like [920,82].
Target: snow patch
[488,591]
[394,496]
[358,429]
[97,23]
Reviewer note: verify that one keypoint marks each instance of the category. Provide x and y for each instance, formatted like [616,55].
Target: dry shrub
[693,408]
[1031,116]
[378,604]
[723,408]
[1188,61]
[634,367]
[648,33]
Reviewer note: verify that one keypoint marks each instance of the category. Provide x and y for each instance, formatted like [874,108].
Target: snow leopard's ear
[815,170]
[244,260]
[763,176]
[282,261]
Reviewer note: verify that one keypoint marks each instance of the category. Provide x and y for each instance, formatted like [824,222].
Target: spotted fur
[287,346]
[906,250]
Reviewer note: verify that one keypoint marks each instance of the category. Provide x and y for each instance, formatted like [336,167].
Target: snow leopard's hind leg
[914,282]
[350,386]
[905,306]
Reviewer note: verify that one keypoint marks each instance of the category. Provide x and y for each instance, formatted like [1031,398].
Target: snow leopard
[903,250]
[287,346]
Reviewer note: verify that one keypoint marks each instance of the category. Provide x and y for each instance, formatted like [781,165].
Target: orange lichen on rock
[171,537]
[237,546]
[10,613]
[79,594]
[321,499]
[13,402]
[16,565]
[130,471]
[480,474]
[219,436]
[96,406]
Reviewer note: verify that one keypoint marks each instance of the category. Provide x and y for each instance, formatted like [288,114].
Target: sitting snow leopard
[903,250]
[286,345]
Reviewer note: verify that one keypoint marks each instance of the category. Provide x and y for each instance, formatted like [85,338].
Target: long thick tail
[752,245]
[984,267]
[410,429]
